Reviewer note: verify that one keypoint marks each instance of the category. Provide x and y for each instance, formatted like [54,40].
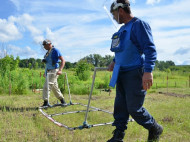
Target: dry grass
[22,122]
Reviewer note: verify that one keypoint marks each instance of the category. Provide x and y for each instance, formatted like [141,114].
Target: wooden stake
[32,83]
[167,83]
[10,83]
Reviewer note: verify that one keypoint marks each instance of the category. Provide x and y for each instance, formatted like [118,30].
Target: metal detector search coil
[85,123]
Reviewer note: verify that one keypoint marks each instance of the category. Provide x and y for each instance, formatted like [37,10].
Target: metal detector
[88,107]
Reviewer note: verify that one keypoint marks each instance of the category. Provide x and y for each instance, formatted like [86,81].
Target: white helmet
[115,5]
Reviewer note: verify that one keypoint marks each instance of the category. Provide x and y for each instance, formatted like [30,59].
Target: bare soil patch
[175,95]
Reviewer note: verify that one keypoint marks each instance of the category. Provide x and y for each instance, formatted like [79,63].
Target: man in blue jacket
[135,56]
[51,59]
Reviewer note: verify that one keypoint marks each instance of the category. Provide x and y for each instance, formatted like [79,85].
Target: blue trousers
[129,100]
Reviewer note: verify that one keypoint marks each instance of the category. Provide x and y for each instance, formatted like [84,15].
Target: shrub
[83,70]
[82,89]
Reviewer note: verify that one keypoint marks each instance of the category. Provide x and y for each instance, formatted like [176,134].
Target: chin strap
[48,53]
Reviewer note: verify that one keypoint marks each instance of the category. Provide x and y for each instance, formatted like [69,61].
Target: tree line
[95,60]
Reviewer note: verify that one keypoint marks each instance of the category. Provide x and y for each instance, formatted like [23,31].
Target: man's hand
[61,65]
[59,72]
[147,80]
[111,66]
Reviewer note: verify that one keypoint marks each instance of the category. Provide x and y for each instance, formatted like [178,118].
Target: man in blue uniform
[135,57]
[51,59]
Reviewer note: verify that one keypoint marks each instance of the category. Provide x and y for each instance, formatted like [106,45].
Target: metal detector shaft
[96,68]
[68,87]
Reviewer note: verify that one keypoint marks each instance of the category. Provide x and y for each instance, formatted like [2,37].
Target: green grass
[22,122]
[22,81]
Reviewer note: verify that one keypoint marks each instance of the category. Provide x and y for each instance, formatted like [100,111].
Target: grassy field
[20,120]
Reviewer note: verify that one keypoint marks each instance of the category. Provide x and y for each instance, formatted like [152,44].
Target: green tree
[32,61]
[8,63]
[36,65]
[107,60]
[83,70]
[23,63]
[97,60]
[68,65]
[163,65]
[14,63]
[30,66]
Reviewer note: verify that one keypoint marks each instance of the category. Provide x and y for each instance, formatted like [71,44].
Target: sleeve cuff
[148,70]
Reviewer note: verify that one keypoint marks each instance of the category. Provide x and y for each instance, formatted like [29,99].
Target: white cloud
[77,42]
[25,52]
[8,31]
[14,27]
[170,27]
[23,19]
[186,62]
[38,40]
[168,44]
[182,51]
[16,3]
[25,22]
[152,1]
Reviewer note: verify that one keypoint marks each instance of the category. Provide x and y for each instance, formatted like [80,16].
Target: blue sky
[82,27]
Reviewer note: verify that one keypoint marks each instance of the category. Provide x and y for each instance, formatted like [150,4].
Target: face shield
[43,43]
[43,51]
[113,6]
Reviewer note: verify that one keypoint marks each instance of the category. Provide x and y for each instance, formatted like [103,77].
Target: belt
[51,69]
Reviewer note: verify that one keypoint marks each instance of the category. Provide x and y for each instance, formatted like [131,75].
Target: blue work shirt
[52,60]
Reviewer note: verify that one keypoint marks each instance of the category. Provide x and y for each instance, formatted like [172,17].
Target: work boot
[63,103]
[154,132]
[117,136]
[46,104]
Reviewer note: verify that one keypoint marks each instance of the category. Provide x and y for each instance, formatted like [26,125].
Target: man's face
[46,46]
[115,15]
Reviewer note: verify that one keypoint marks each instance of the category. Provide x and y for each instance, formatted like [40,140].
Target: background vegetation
[168,101]
[21,76]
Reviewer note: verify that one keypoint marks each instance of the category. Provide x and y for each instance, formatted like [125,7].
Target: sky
[79,28]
